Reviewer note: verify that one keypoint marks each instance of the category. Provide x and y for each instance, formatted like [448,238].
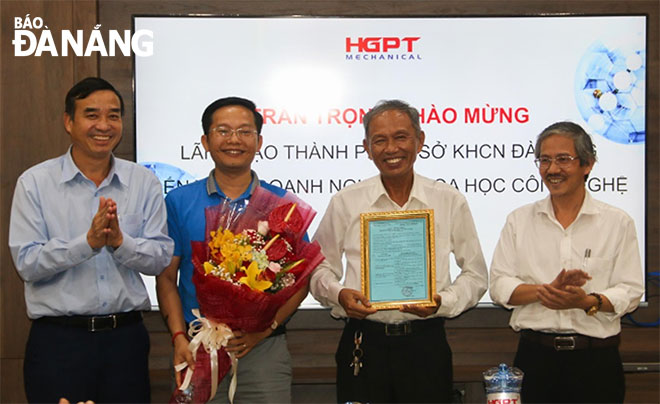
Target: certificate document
[398,259]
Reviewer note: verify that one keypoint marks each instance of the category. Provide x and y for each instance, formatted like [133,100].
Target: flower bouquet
[251,263]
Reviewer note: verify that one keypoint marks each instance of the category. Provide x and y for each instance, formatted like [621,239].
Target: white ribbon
[212,336]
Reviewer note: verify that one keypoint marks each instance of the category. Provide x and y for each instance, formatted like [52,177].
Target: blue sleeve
[36,254]
[173,227]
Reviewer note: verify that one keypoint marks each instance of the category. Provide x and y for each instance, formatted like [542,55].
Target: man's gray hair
[584,147]
[388,105]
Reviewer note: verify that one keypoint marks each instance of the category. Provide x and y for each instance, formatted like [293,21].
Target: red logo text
[380,44]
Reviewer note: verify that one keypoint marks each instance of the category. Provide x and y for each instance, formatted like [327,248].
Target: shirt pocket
[600,269]
[131,224]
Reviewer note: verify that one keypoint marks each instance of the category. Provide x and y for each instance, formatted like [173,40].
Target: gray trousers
[264,375]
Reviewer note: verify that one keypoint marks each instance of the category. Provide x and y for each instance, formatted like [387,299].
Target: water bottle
[503,384]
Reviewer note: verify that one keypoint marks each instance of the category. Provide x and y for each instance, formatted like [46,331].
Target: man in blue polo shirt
[232,135]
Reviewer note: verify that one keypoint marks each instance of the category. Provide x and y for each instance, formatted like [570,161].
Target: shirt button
[102,277]
[105,304]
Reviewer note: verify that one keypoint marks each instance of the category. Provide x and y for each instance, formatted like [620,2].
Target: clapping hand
[565,291]
[104,229]
[572,277]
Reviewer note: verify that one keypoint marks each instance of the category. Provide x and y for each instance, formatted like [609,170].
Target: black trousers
[593,375]
[110,366]
[407,368]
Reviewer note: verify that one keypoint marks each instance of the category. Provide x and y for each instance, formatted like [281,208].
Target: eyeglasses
[563,161]
[227,132]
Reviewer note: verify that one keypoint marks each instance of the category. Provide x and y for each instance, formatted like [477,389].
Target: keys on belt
[356,364]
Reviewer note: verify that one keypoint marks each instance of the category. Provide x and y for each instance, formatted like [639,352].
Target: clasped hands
[356,305]
[105,226]
[565,291]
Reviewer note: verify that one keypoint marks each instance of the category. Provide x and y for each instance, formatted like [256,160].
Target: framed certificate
[398,258]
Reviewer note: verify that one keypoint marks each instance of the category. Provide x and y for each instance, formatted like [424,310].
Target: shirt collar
[212,186]
[417,191]
[589,207]
[70,170]
[379,191]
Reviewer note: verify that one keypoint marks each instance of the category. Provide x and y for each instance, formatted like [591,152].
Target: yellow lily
[208,268]
[251,279]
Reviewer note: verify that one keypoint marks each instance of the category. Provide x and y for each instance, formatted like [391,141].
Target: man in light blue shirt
[83,227]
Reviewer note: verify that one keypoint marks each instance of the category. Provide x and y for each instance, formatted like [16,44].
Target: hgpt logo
[381,48]
[27,43]
[375,44]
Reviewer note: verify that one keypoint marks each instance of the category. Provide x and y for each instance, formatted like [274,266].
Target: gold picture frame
[390,241]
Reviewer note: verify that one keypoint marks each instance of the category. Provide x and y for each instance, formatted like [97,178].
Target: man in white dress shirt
[404,354]
[569,266]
